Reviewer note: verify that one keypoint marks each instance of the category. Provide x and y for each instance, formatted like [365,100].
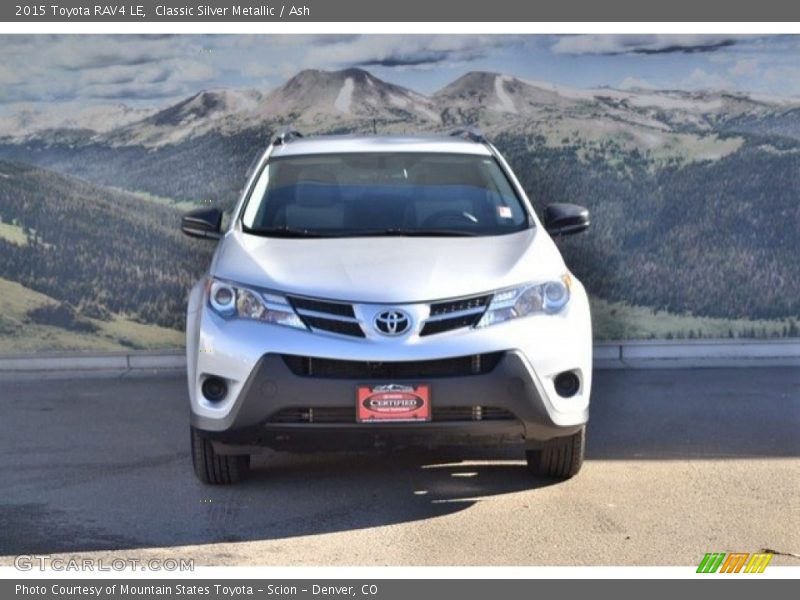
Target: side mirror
[203,223]
[565,219]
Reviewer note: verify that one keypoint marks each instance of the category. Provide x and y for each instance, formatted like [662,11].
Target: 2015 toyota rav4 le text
[386,289]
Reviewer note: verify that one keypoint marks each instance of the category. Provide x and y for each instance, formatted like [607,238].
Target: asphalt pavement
[679,463]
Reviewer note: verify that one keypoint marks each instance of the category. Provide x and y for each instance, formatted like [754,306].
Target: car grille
[453,306]
[340,318]
[335,317]
[455,314]
[322,306]
[442,325]
[326,368]
[351,328]
[444,414]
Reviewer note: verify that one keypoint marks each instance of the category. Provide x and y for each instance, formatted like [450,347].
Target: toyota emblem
[392,322]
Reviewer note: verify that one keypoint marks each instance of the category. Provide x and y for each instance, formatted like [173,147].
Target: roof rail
[286,135]
[469,133]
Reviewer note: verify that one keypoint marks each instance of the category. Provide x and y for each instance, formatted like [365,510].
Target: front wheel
[217,469]
[559,457]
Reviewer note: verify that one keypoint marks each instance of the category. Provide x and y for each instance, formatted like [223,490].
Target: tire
[217,469]
[561,458]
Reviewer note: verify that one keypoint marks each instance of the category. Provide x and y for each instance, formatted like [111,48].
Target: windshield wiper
[284,231]
[400,231]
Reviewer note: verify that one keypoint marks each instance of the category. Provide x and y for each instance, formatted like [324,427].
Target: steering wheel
[448,218]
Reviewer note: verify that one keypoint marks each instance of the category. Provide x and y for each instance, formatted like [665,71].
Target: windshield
[382,193]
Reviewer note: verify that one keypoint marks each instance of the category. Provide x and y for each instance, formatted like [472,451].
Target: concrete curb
[680,354]
[645,354]
[110,363]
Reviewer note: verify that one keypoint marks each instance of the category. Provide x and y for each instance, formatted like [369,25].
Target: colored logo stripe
[757,563]
[711,562]
[734,562]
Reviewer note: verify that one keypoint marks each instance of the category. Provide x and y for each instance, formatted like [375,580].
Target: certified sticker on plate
[393,403]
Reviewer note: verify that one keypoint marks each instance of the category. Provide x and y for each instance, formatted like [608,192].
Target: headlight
[549,297]
[228,301]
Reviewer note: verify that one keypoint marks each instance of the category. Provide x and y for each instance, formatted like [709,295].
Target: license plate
[393,403]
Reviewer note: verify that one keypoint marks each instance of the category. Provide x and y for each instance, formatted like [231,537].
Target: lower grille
[325,368]
[314,415]
[472,413]
[445,414]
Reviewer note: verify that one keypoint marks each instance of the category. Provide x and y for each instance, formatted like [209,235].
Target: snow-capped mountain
[354,99]
[212,104]
[495,93]
[319,100]
[198,114]
[314,97]
[480,96]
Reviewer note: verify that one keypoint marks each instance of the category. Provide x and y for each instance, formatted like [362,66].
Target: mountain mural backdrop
[695,198]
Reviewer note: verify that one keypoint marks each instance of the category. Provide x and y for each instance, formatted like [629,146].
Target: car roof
[344,144]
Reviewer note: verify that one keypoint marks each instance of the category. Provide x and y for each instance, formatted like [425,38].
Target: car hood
[387,269]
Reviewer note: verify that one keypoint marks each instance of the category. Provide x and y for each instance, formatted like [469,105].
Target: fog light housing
[214,389]
[567,384]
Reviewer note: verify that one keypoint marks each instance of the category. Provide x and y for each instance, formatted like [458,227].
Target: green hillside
[620,321]
[713,238]
[97,251]
[18,334]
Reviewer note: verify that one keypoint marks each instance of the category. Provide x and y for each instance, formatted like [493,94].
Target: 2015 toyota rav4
[384,289]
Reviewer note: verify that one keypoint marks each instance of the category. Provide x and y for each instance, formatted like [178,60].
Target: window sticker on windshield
[504,212]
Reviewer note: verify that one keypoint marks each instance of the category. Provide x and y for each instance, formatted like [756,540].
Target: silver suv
[381,290]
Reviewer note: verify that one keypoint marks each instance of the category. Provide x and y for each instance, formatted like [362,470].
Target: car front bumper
[515,400]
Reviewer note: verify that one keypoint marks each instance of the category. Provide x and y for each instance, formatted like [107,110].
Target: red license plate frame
[393,403]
